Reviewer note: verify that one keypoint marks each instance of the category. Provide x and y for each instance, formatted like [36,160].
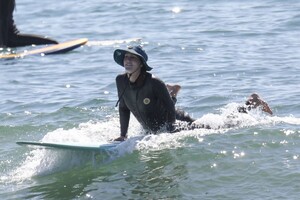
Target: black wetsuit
[9,34]
[149,101]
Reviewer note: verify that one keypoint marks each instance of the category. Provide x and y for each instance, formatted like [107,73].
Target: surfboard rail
[70,146]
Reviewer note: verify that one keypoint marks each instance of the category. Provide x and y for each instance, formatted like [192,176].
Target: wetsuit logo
[146,101]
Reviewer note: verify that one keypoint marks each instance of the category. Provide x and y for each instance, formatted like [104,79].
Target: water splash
[39,162]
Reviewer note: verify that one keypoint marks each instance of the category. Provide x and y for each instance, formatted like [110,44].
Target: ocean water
[218,51]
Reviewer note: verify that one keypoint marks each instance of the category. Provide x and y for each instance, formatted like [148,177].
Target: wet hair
[143,69]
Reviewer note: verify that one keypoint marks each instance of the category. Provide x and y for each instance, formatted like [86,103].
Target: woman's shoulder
[155,80]
[120,76]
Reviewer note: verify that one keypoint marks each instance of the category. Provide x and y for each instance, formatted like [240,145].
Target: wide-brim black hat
[137,50]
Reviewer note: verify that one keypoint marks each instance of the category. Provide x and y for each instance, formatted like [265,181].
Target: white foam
[39,162]
[229,117]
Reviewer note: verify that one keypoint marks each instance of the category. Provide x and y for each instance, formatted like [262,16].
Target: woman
[143,95]
[9,34]
[151,101]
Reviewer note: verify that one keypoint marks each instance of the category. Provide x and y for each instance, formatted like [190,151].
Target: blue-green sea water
[218,51]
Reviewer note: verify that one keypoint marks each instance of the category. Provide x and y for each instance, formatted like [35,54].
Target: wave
[40,162]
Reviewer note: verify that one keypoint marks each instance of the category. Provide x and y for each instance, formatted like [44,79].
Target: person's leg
[18,40]
[253,102]
[180,114]
[173,89]
[183,116]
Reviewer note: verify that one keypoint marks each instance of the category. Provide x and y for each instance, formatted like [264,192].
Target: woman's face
[132,63]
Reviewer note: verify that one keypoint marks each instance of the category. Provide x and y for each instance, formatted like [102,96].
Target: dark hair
[143,69]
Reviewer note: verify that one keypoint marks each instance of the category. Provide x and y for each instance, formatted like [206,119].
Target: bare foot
[173,89]
[254,101]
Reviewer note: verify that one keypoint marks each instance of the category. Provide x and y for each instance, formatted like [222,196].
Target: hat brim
[120,53]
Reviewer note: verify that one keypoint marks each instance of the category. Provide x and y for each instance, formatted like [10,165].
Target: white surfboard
[71,146]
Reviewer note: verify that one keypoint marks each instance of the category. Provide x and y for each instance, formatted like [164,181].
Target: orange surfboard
[51,49]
